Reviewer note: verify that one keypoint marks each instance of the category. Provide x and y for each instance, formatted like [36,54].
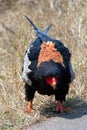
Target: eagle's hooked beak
[52,81]
[53,84]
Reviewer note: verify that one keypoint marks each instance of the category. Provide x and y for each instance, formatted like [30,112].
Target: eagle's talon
[29,110]
[66,109]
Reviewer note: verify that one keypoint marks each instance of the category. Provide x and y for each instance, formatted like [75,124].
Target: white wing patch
[26,70]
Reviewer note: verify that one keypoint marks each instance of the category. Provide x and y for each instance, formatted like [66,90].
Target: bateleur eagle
[47,68]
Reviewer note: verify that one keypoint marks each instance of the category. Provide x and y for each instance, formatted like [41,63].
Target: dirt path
[74,120]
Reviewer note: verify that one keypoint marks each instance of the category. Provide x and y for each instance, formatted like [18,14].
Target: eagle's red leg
[60,108]
[29,107]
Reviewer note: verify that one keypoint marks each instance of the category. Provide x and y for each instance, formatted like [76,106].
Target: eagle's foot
[60,108]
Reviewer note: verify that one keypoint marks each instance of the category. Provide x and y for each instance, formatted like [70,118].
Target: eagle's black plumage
[37,75]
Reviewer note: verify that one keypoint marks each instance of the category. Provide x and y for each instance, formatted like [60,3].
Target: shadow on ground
[76,111]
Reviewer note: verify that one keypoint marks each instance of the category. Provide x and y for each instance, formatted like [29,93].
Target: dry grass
[69,21]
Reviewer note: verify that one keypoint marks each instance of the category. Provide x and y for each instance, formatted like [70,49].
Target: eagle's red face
[52,81]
